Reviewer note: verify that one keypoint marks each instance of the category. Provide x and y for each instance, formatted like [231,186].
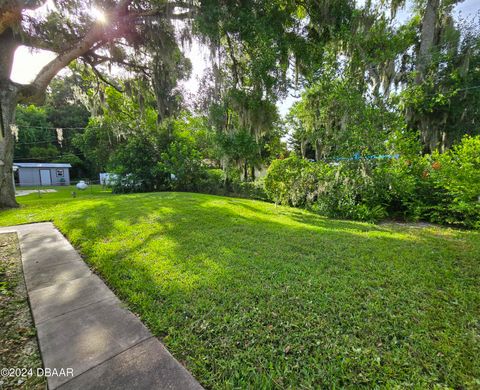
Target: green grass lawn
[249,295]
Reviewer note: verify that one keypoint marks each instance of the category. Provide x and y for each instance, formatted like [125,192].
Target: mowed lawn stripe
[247,294]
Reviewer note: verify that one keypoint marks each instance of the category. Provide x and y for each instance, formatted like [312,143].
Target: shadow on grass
[229,233]
[230,283]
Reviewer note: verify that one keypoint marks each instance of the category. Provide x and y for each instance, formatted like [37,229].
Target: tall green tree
[441,97]
[63,104]
[71,31]
[259,54]
[45,134]
[33,131]
[335,120]
[425,68]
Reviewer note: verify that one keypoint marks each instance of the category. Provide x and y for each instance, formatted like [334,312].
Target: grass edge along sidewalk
[86,337]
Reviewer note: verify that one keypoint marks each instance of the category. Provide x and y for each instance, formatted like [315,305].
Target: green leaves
[441,188]
[457,174]
[337,121]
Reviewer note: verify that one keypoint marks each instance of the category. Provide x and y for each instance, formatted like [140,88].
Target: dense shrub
[124,184]
[249,189]
[135,165]
[341,189]
[158,159]
[440,188]
[182,163]
[211,182]
[456,176]
[352,190]
[404,186]
[291,181]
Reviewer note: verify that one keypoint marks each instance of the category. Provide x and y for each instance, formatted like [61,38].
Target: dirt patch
[414,225]
[18,344]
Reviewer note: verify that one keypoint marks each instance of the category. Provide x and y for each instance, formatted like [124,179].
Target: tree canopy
[363,75]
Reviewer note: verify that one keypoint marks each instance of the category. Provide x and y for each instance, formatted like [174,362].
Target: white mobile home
[43,174]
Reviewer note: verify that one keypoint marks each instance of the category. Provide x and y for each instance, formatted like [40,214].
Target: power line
[58,127]
[39,142]
[48,157]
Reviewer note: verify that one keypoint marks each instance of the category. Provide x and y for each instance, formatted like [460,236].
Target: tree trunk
[427,38]
[318,150]
[430,135]
[8,101]
[252,170]
[428,130]
[304,147]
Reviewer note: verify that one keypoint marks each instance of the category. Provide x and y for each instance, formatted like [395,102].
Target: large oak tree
[70,30]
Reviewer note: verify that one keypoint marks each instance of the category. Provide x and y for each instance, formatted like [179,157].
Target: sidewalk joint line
[106,360]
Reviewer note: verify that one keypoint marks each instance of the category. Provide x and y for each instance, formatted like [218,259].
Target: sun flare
[99,15]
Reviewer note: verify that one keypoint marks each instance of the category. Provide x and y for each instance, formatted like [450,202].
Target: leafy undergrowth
[18,345]
[247,294]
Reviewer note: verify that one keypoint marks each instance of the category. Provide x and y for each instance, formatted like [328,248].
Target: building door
[45,178]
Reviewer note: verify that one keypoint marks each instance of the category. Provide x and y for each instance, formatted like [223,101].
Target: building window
[59,172]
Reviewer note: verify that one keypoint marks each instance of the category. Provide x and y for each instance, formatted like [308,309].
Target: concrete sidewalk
[81,324]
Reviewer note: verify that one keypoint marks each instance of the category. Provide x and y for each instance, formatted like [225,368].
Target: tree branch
[35,91]
[35,42]
[10,15]
[120,20]
[234,60]
[168,11]
[103,78]
[98,59]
